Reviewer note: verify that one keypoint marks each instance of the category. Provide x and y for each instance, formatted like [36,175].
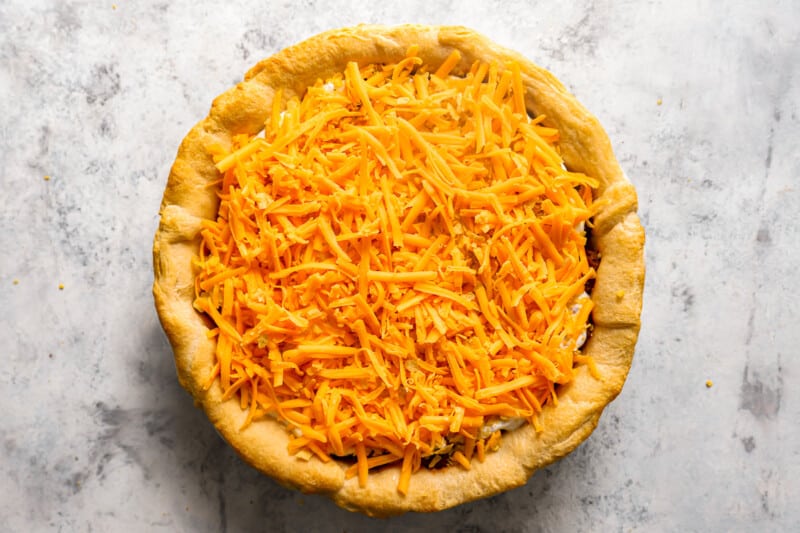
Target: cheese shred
[396,264]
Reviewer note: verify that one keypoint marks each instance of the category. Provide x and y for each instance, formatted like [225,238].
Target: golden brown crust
[617,293]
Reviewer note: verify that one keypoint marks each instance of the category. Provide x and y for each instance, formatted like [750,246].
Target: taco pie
[399,266]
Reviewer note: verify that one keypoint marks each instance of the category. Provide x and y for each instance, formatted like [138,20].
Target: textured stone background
[96,433]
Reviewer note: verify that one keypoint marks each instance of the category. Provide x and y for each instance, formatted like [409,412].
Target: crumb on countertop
[61,286]
[709,383]
[659,101]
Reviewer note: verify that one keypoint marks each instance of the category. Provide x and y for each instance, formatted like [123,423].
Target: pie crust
[617,294]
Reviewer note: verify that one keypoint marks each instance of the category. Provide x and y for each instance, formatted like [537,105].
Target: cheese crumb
[61,286]
[47,178]
[659,101]
[709,383]
[16,282]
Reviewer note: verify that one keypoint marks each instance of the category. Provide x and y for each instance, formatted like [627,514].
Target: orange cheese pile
[396,263]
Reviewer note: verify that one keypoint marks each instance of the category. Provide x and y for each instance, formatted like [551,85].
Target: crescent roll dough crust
[617,293]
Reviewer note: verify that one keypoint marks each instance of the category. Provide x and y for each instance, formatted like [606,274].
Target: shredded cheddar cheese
[397,262]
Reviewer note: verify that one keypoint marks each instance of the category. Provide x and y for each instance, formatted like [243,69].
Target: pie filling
[398,268]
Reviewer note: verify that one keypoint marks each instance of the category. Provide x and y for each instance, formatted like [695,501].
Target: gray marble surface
[700,99]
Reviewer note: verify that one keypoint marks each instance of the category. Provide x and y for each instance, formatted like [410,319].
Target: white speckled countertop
[701,102]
